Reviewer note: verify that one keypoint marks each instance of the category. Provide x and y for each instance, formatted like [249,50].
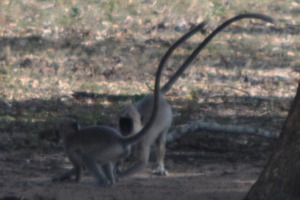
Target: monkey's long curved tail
[135,138]
[188,61]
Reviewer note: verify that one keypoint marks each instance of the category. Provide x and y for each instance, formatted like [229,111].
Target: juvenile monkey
[162,122]
[88,146]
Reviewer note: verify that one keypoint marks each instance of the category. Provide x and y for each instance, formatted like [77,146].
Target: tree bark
[280,179]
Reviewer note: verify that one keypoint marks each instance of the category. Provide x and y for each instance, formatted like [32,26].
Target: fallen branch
[214,127]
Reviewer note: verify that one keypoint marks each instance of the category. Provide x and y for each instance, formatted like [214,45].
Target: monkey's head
[126,125]
[67,127]
[130,121]
[51,135]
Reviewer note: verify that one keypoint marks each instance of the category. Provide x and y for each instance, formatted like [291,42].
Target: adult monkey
[164,116]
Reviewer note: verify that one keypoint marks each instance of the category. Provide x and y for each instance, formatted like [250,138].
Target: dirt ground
[248,77]
[224,171]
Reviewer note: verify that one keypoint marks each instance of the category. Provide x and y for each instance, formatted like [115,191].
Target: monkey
[157,133]
[96,148]
[74,139]
[105,145]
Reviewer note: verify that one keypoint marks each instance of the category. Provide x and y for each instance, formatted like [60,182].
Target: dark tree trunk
[280,179]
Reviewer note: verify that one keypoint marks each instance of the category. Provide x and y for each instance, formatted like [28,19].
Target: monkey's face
[126,126]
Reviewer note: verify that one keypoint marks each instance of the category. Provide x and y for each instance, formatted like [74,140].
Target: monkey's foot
[160,172]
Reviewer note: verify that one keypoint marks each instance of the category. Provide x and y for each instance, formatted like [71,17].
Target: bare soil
[237,81]
[221,167]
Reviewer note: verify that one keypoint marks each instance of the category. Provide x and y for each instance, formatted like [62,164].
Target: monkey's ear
[76,126]
[126,125]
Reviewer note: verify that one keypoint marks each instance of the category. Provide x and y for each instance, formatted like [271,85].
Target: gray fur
[156,133]
[164,117]
[96,148]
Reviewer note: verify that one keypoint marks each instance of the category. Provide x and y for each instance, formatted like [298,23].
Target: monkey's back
[99,142]
[164,115]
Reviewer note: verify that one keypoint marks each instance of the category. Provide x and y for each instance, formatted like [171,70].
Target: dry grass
[109,50]
[49,49]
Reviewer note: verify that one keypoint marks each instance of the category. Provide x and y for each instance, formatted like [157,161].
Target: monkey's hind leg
[160,155]
[97,172]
